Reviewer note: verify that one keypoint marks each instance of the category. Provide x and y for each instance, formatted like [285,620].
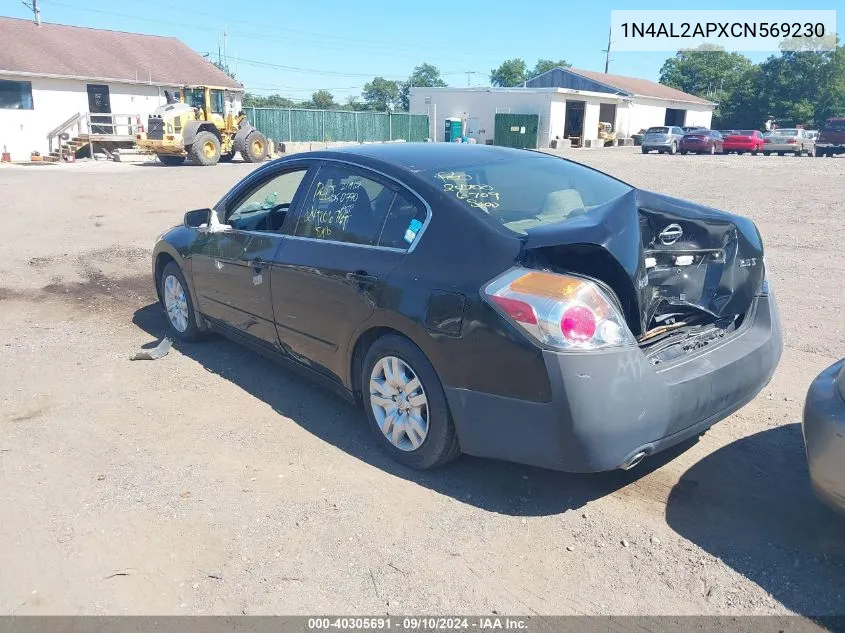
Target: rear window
[657,130]
[746,132]
[834,126]
[527,191]
[787,132]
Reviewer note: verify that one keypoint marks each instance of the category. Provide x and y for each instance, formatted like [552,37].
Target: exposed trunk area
[685,275]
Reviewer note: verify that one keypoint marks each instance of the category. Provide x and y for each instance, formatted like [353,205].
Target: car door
[232,269]
[329,274]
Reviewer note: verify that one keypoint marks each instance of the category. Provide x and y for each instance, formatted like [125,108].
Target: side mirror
[196,218]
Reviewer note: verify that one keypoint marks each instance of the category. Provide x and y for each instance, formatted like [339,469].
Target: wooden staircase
[75,138]
[66,148]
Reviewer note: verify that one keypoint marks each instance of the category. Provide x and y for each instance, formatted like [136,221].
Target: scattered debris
[185,494]
[569,548]
[155,353]
[396,568]
[625,543]
[100,477]
[117,573]
[655,540]
[216,576]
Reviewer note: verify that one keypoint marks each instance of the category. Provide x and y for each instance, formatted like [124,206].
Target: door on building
[516,130]
[99,102]
[607,114]
[573,124]
[675,117]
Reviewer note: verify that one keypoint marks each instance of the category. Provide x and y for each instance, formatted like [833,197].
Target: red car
[741,141]
[701,142]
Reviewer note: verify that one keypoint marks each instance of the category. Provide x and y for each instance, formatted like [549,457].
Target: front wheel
[673,148]
[173,290]
[205,150]
[405,404]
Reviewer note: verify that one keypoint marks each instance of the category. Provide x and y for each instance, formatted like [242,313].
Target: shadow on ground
[501,487]
[750,504]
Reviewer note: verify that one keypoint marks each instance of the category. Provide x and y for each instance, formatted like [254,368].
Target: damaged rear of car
[653,316]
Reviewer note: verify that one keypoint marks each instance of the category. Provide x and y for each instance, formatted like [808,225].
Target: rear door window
[657,130]
[343,205]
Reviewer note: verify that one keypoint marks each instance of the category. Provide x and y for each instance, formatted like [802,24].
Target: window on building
[16,95]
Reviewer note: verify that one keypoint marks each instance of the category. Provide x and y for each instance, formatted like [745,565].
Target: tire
[741,153]
[683,152]
[255,147]
[205,150]
[755,151]
[780,153]
[171,161]
[227,158]
[645,150]
[817,153]
[439,444]
[167,290]
[673,149]
[766,153]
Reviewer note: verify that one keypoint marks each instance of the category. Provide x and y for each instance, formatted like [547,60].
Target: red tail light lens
[517,310]
[560,311]
[578,323]
[790,141]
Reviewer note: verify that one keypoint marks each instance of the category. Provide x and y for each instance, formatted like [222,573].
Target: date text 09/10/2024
[484,623]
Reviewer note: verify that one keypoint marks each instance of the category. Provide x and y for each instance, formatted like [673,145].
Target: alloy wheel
[399,403]
[176,303]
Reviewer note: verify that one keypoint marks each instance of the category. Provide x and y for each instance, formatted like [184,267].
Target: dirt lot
[212,481]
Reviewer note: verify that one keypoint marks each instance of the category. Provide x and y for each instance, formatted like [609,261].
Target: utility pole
[607,52]
[468,74]
[33,6]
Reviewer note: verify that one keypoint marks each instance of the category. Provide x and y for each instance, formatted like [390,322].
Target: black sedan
[496,302]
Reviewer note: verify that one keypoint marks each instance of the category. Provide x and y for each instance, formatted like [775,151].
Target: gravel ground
[212,481]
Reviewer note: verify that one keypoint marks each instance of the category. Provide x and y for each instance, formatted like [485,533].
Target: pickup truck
[831,138]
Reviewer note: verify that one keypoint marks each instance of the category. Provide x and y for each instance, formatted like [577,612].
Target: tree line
[802,87]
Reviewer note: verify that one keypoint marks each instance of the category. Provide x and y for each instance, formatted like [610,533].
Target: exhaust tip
[635,459]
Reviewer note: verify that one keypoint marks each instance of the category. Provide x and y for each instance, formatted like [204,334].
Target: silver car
[824,435]
[664,139]
[788,141]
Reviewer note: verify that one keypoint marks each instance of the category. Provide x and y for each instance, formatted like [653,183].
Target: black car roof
[423,156]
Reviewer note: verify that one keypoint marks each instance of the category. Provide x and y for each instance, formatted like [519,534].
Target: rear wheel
[255,147]
[171,161]
[205,150]
[780,153]
[405,404]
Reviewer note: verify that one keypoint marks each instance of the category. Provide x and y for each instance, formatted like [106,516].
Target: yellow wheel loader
[192,125]
[606,133]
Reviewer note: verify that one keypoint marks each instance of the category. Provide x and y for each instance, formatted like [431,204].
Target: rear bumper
[833,148]
[739,147]
[824,436]
[695,147]
[608,406]
[659,144]
[781,147]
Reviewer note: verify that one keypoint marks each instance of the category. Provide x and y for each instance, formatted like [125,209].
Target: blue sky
[339,45]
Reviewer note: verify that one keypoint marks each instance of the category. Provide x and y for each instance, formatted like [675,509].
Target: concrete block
[593,142]
[625,142]
[561,143]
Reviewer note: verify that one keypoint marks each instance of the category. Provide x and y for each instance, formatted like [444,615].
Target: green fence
[281,124]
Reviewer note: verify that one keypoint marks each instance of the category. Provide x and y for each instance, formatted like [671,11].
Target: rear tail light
[790,141]
[766,140]
[560,311]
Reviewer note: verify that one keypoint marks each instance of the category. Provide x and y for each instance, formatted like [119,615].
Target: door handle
[362,278]
[258,264]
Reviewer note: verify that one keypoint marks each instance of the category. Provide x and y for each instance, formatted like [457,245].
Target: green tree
[510,73]
[424,76]
[545,65]
[273,101]
[353,103]
[705,70]
[323,100]
[381,94]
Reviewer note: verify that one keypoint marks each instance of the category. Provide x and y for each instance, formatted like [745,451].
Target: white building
[570,103]
[68,82]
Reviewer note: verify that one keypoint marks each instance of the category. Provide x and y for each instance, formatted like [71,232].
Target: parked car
[788,140]
[664,139]
[824,435]
[741,141]
[484,300]
[812,134]
[831,138]
[702,142]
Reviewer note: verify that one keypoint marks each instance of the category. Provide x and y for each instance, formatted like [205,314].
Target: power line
[36,13]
